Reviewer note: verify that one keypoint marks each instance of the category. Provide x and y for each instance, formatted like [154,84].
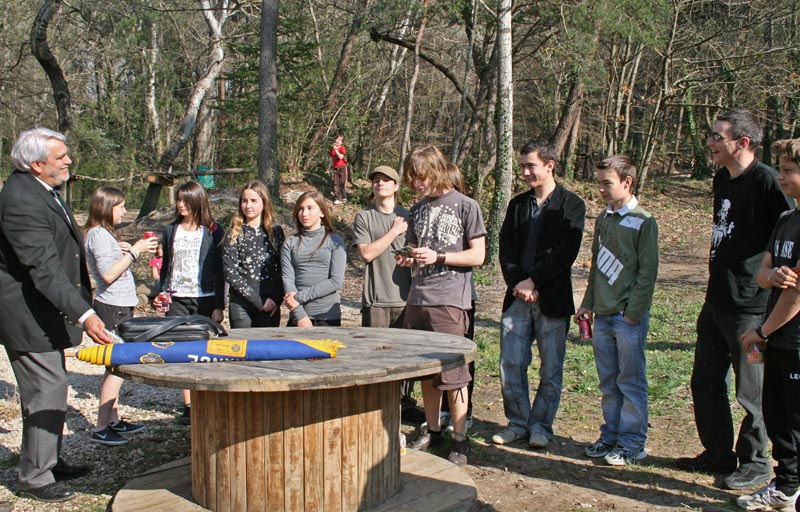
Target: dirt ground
[509,478]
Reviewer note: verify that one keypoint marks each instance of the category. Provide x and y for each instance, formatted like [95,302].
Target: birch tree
[505,120]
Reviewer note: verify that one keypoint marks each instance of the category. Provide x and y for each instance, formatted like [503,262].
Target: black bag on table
[169,328]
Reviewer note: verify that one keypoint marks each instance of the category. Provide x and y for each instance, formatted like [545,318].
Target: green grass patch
[669,353]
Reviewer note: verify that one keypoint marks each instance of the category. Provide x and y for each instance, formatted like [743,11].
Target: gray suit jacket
[44,281]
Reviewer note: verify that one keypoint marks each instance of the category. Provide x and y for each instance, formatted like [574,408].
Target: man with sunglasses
[747,204]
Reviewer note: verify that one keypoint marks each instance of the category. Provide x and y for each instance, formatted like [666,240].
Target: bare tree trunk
[268,164]
[469,22]
[41,50]
[629,97]
[151,59]
[405,142]
[658,113]
[572,110]
[215,59]
[206,127]
[505,121]
[569,153]
[336,85]
[316,38]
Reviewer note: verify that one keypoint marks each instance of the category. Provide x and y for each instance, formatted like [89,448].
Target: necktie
[57,195]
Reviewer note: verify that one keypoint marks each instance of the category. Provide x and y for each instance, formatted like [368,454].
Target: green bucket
[204,176]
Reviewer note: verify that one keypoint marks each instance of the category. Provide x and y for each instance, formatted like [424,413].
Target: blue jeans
[619,357]
[521,323]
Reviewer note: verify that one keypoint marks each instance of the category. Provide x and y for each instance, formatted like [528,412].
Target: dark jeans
[243,315]
[183,306]
[781,404]
[337,322]
[718,348]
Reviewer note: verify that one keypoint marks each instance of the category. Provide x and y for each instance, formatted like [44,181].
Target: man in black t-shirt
[747,204]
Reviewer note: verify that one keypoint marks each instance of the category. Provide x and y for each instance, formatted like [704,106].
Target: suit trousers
[42,384]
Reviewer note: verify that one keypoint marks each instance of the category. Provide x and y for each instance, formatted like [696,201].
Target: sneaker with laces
[125,427]
[768,498]
[507,436]
[620,456]
[459,451]
[108,437]
[598,449]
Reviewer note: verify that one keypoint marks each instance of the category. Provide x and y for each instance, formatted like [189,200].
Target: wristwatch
[760,334]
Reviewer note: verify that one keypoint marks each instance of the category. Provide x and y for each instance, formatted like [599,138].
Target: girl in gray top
[312,262]
[109,262]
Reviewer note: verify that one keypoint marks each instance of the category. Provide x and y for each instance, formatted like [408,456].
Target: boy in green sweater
[618,296]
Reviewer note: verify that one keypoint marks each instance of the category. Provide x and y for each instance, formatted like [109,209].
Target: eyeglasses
[719,138]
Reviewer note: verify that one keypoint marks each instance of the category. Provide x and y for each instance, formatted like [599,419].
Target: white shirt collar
[44,184]
[625,209]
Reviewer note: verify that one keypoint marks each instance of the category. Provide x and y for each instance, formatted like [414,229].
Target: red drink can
[756,353]
[165,300]
[585,328]
[150,234]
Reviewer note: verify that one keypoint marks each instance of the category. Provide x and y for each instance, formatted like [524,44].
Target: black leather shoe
[49,493]
[704,463]
[63,471]
[746,478]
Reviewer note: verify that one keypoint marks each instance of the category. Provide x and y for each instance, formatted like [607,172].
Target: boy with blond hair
[779,338]
[447,236]
[618,296]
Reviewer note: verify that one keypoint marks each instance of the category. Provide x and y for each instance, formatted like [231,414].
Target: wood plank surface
[293,452]
[332,434]
[276,487]
[221,480]
[351,485]
[313,450]
[371,355]
[428,483]
[256,434]
[238,469]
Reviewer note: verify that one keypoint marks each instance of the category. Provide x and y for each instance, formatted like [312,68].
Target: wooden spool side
[335,449]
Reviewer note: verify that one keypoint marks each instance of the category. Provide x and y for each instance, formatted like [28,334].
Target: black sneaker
[124,427]
[108,437]
[704,463]
[186,417]
[746,478]
[459,451]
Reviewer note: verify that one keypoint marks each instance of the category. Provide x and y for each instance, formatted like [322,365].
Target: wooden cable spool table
[303,434]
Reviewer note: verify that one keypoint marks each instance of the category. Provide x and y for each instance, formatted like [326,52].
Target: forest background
[177,86]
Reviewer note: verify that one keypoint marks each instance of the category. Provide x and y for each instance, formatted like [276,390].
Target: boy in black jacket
[539,241]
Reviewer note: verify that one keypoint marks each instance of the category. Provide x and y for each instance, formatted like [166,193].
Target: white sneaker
[598,449]
[620,456]
[507,436]
[768,498]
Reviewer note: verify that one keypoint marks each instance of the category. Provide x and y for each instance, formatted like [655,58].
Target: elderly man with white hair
[45,305]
